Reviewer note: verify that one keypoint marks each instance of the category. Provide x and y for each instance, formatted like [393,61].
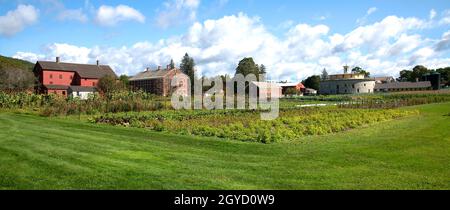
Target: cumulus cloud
[110,16]
[16,20]
[176,11]
[217,45]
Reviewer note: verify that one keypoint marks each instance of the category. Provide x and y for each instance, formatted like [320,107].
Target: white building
[81,92]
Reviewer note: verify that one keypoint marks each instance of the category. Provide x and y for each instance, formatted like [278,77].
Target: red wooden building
[57,77]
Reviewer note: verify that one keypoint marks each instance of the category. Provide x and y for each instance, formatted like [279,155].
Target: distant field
[63,153]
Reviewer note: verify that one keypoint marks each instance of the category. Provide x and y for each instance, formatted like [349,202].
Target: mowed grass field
[57,153]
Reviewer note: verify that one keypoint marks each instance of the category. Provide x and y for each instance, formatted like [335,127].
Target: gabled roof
[396,85]
[153,74]
[84,70]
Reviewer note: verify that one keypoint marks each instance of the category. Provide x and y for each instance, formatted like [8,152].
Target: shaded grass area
[54,153]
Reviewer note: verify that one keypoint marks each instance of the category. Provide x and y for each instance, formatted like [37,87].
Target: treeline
[419,71]
[16,74]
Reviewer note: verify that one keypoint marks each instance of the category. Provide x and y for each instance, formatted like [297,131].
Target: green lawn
[56,153]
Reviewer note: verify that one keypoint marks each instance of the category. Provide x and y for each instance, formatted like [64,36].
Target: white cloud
[383,48]
[363,20]
[110,16]
[73,14]
[445,20]
[178,11]
[16,20]
[371,10]
[432,14]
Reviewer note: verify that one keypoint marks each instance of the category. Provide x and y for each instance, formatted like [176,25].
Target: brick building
[159,81]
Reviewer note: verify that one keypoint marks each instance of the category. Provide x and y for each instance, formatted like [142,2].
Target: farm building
[347,83]
[299,87]
[159,81]
[403,86]
[60,78]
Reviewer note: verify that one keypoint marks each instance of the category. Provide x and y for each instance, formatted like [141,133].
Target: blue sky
[305,36]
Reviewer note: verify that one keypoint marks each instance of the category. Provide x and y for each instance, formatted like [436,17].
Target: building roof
[153,74]
[397,85]
[383,78]
[82,89]
[56,87]
[92,71]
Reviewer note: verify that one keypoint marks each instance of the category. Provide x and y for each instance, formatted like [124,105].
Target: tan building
[159,81]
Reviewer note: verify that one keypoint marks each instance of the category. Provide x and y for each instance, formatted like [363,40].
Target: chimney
[98,63]
[159,68]
[147,69]
[57,59]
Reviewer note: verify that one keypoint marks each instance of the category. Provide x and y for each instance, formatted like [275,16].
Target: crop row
[247,126]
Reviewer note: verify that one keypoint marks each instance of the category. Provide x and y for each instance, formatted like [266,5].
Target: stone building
[159,81]
[347,83]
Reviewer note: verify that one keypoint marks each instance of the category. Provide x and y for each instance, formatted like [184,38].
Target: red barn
[56,77]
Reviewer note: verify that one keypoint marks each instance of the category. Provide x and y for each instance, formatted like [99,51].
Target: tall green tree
[247,66]
[324,75]
[312,82]
[172,64]
[262,69]
[188,67]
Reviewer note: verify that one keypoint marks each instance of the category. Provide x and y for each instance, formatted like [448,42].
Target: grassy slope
[41,153]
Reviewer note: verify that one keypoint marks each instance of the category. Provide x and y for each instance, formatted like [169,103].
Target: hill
[13,63]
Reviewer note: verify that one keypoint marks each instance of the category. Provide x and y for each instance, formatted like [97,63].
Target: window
[64,92]
[78,93]
[60,76]
[93,83]
[364,85]
[353,86]
[51,83]
[51,76]
[71,77]
[357,90]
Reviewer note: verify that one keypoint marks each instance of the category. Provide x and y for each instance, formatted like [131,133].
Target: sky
[292,38]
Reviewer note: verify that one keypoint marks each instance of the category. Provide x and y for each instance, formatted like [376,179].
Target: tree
[262,69]
[248,66]
[108,84]
[324,75]
[359,70]
[405,75]
[445,75]
[125,80]
[187,67]
[172,64]
[417,72]
[291,91]
[312,82]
